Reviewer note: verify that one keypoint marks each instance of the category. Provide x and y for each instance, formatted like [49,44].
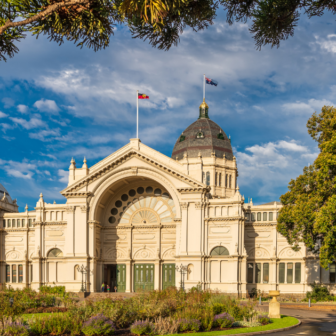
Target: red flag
[142,96]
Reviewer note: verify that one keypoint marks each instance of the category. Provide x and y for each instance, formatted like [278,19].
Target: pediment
[156,161]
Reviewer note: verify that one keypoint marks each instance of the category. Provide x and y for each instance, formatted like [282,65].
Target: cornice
[259,224]
[223,219]
[129,227]
[83,194]
[111,166]
[193,190]
[50,223]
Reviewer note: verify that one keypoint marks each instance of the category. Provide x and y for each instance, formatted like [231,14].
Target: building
[137,214]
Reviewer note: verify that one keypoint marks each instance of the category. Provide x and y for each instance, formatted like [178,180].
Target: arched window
[55,253]
[220,179]
[226,180]
[230,181]
[76,268]
[259,216]
[203,177]
[216,177]
[190,274]
[208,178]
[219,251]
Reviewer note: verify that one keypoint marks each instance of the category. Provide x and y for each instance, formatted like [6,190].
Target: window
[265,216]
[249,273]
[226,180]
[289,272]
[200,135]
[259,216]
[216,177]
[297,272]
[20,273]
[23,223]
[247,216]
[253,216]
[277,215]
[55,253]
[332,273]
[270,216]
[9,223]
[203,177]
[30,222]
[76,272]
[13,273]
[220,136]
[18,223]
[13,223]
[265,273]
[257,272]
[220,179]
[219,250]
[182,138]
[230,181]
[7,273]
[4,223]
[282,273]
[208,178]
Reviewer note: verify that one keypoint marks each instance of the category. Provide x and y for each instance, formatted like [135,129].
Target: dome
[203,136]
[3,192]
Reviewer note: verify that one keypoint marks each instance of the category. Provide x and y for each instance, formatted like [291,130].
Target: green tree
[161,22]
[309,207]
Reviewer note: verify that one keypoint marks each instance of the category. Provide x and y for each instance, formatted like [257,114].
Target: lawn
[284,322]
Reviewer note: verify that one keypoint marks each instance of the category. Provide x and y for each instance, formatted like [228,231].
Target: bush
[16,329]
[263,319]
[54,290]
[98,325]
[46,310]
[223,320]
[165,326]
[319,293]
[142,328]
[189,325]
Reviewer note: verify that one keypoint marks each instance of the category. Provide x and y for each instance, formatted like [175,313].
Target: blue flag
[211,81]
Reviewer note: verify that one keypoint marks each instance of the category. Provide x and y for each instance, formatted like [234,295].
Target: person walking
[103,287]
[115,288]
[108,288]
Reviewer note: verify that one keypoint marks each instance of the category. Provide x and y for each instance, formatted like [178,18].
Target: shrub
[223,320]
[218,308]
[246,324]
[165,326]
[54,290]
[142,328]
[46,310]
[189,325]
[16,329]
[263,319]
[98,325]
[319,293]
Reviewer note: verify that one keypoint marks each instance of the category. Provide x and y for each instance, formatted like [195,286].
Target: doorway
[115,276]
[143,277]
[168,275]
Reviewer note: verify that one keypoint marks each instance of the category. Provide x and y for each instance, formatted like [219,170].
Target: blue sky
[59,102]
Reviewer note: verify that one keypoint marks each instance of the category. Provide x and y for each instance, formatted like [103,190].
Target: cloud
[29,124]
[64,176]
[313,105]
[22,108]
[8,102]
[328,44]
[6,127]
[45,135]
[17,169]
[46,105]
[3,115]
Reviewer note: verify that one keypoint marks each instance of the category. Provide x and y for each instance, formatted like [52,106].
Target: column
[184,230]
[157,275]
[128,276]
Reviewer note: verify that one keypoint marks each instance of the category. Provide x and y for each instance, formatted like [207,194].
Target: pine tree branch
[50,9]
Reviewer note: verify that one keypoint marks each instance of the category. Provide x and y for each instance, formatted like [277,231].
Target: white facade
[147,213]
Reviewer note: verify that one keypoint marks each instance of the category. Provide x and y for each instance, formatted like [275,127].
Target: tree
[92,22]
[309,207]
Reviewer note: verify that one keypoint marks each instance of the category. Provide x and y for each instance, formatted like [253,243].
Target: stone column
[184,230]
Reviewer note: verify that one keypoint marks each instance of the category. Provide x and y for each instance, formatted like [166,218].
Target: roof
[271,203]
[205,137]
[4,191]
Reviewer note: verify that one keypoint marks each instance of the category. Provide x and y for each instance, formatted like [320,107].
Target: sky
[59,102]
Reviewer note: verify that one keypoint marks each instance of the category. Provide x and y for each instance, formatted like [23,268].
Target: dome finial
[204,110]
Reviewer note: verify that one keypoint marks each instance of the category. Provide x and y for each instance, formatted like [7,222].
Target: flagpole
[137,127]
[204,87]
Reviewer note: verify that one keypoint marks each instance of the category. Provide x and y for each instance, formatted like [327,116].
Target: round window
[114,211]
[132,192]
[165,195]
[124,197]
[121,213]
[112,219]
[149,190]
[118,204]
[157,192]
[140,190]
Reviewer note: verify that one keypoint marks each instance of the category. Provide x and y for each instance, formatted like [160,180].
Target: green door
[168,275]
[143,277]
[118,278]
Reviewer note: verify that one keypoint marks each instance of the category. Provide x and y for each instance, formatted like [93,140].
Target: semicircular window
[219,251]
[220,136]
[55,253]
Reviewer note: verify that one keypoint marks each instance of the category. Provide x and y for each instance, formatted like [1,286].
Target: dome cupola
[203,137]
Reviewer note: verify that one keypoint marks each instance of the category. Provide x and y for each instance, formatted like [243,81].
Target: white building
[135,215]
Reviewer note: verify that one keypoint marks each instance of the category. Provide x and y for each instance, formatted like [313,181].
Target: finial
[26,208]
[72,160]
[203,110]
[237,187]
[84,163]
[54,202]
[41,195]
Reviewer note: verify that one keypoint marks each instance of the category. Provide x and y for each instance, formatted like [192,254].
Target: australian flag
[211,81]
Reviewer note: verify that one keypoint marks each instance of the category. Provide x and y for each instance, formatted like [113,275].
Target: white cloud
[328,44]
[45,135]
[8,102]
[29,124]
[22,108]
[24,170]
[313,105]
[46,105]
[64,176]
[3,115]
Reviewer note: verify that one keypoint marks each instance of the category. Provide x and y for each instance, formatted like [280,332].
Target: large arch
[117,179]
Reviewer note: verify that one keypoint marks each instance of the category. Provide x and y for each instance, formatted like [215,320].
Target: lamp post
[83,269]
[183,270]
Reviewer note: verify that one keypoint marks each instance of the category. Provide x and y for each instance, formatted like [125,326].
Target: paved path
[314,323]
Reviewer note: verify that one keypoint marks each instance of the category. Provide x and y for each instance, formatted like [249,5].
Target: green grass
[285,321]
